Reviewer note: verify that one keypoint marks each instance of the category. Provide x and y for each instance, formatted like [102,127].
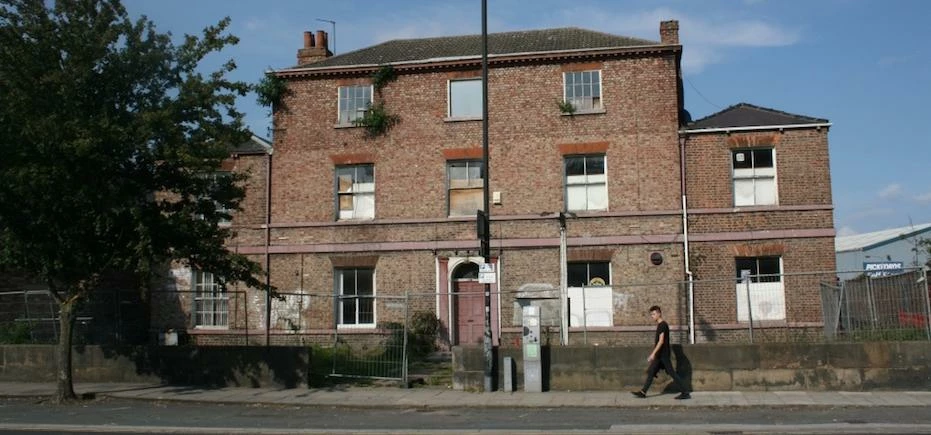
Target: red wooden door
[470,312]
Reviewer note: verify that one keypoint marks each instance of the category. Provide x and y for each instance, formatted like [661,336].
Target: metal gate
[375,354]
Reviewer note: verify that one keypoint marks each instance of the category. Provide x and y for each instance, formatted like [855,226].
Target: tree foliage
[108,135]
[925,245]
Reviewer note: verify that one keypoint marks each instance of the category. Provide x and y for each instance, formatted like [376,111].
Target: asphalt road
[128,416]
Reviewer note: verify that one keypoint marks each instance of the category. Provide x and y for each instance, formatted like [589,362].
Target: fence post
[749,308]
[870,303]
[585,315]
[336,313]
[846,299]
[32,333]
[926,295]
[407,304]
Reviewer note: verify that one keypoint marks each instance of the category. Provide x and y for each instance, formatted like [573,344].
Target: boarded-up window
[465,180]
[586,183]
[590,294]
[754,177]
[465,98]
[355,192]
[760,280]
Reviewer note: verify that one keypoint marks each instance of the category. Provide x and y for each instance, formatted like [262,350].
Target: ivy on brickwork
[377,120]
[566,107]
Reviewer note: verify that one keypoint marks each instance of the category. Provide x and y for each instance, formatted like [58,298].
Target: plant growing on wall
[382,77]
[271,90]
[377,120]
[566,107]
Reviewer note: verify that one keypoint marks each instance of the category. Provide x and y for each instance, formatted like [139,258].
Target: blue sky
[865,65]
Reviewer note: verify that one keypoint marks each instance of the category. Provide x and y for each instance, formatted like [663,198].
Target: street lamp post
[486,342]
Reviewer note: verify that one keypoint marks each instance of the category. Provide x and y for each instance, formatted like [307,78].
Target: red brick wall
[803,170]
[811,259]
[525,130]
[529,137]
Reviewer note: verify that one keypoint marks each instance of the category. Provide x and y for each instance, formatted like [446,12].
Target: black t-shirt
[662,328]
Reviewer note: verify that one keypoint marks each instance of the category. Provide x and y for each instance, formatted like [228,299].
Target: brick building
[587,134]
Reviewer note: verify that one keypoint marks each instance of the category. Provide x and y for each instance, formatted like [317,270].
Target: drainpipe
[268,235]
[563,284]
[685,241]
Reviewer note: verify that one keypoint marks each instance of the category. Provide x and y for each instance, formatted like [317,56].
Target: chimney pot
[314,49]
[321,39]
[669,32]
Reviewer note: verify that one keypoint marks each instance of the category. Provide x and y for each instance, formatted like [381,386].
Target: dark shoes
[642,395]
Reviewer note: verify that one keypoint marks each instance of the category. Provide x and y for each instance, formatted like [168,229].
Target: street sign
[486,273]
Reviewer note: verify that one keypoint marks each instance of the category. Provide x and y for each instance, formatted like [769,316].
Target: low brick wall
[211,366]
[718,367]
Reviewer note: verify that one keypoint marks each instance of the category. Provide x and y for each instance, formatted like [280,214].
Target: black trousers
[664,363]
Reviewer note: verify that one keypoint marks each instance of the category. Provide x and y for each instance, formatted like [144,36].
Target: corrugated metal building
[882,251]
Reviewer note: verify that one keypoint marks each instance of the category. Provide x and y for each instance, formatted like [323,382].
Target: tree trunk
[65,390]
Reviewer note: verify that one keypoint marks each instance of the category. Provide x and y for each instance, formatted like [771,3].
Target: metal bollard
[508,374]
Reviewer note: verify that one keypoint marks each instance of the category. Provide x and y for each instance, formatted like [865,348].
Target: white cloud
[437,19]
[893,60]
[846,231]
[871,212]
[891,191]
[255,24]
[706,40]
[924,198]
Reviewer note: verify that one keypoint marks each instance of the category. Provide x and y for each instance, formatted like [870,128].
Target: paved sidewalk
[389,397]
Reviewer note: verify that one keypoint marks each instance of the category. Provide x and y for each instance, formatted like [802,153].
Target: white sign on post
[486,273]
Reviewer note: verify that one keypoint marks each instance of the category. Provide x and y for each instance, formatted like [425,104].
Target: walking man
[661,356]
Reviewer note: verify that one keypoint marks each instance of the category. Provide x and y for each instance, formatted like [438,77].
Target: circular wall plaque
[656,258]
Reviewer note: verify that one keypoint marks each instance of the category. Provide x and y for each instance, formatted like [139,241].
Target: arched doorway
[468,305]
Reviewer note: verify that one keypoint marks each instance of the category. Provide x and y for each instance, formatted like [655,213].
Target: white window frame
[451,99]
[223,222]
[351,108]
[766,290]
[591,305]
[353,187]
[211,301]
[761,181]
[583,83]
[469,183]
[343,297]
[589,185]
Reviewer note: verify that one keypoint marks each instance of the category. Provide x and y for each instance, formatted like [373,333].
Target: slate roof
[255,145]
[748,115]
[451,47]
[857,242]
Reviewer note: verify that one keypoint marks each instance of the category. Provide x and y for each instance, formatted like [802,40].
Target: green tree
[108,136]
[924,245]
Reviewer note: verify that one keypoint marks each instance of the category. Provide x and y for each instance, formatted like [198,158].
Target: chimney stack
[669,32]
[315,48]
